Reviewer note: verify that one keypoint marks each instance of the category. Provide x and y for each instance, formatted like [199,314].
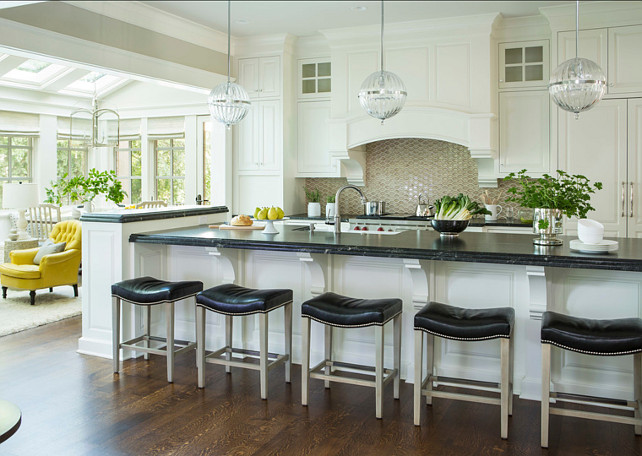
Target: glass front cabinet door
[523,64]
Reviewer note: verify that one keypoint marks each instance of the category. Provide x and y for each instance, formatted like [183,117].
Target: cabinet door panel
[592,46]
[635,168]
[625,65]
[524,132]
[452,84]
[269,135]
[360,66]
[595,146]
[253,191]
[314,138]
[247,150]
[249,76]
[270,77]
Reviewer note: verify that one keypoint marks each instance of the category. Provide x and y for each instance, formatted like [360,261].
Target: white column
[44,156]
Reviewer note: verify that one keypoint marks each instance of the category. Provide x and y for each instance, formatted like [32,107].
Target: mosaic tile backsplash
[399,170]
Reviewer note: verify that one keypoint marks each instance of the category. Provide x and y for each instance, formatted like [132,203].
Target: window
[71,158]
[128,169]
[169,157]
[15,159]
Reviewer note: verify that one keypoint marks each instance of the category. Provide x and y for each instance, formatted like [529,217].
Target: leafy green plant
[313,196]
[458,207]
[330,199]
[571,194]
[84,189]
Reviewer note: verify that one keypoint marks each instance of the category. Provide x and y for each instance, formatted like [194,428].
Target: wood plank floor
[73,405]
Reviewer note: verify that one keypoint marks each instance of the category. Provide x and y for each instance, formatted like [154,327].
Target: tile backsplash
[399,170]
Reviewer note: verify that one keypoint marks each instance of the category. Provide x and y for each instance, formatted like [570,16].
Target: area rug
[17,314]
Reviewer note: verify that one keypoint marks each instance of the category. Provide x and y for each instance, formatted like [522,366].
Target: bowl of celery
[453,214]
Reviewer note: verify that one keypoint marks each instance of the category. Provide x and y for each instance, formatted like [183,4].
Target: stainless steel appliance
[374,208]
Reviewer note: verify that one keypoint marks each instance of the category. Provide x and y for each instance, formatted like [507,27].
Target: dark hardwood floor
[73,405]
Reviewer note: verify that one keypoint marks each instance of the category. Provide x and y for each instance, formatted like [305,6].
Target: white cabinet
[524,132]
[313,141]
[523,64]
[259,138]
[592,46]
[314,78]
[625,65]
[595,145]
[634,177]
[260,76]
[257,190]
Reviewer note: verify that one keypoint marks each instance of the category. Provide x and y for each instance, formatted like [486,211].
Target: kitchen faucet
[337,217]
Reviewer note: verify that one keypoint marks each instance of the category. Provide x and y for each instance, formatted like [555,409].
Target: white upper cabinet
[259,138]
[314,78]
[313,141]
[634,177]
[592,46]
[260,76]
[625,59]
[523,64]
[524,132]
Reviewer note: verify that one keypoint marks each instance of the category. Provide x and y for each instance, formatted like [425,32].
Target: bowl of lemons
[269,214]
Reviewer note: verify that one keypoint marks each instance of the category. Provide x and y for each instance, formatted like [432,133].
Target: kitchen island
[475,270]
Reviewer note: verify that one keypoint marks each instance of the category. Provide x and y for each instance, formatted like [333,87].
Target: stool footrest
[468,384]
[614,404]
[317,372]
[214,358]
[596,416]
[183,345]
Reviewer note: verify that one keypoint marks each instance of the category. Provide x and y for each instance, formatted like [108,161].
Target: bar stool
[594,337]
[233,300]
[332,310]
[450,322]
[147,292]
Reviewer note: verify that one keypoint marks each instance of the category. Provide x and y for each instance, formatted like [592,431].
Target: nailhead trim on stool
[595,337]
[333,310]
[470,325]
[233,300]
[148,291]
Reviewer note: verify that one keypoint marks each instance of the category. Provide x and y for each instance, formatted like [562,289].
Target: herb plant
[330,199]
[568,193]
[313,196]
[85,189]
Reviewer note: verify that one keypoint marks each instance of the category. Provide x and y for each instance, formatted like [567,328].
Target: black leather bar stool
[147,292]
[333,310]
[594,337]
[456,323]
[232,300]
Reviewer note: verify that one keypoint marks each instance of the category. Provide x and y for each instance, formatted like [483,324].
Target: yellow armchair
[54,270]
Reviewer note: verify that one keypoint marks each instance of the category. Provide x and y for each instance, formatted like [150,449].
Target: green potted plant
[81,189]
[314,202]
[330,207]
[551,198]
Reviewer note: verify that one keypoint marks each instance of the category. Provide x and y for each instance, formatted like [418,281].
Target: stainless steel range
[390,222]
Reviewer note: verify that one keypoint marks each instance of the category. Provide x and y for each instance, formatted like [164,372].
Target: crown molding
[264,45]
[593,15]
[150,18]
[522,28]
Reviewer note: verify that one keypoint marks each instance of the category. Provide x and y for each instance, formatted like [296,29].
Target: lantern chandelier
[383,93]
[95,127]
[577,84]
[228,102]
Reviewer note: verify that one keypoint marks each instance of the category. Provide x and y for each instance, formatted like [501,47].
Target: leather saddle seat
[336,310]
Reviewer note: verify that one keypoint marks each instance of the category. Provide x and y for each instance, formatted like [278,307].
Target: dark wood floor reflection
[73,405]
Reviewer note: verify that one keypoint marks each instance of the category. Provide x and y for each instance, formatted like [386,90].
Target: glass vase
[548,224]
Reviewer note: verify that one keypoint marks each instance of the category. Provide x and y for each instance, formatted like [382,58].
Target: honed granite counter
[496,248]
[157,213]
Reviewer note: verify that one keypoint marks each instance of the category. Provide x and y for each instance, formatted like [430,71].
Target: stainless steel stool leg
[200,345]
[115,331]
[396,347]
[637,384]
[504,386]
[305,359]
[288,341]
[419,344]
[169,317]
[228,340]
[546,381]
[430,365]
[263,352]
[328,352]
[379,370]
[148,328]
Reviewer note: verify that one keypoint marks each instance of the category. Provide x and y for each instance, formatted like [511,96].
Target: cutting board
[232,227]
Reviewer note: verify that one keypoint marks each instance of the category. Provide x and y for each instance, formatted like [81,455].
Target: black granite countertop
[426,245]
[477,221]
[158,213]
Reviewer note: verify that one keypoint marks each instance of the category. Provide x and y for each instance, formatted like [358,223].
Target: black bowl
[449,227]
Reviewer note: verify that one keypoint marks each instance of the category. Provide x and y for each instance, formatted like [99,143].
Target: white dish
[604,246]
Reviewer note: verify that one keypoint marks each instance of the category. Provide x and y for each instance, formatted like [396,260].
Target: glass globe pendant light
[577,84]
[383,93]
[228,102]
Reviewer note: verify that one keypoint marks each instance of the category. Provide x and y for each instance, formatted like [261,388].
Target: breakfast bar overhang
[475,270]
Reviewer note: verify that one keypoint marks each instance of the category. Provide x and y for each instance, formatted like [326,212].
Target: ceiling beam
[9,63]
[64,79]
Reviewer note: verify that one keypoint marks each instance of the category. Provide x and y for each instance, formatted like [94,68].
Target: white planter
[314,209]
[330,210]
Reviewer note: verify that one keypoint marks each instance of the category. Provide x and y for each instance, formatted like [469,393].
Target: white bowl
[590,231]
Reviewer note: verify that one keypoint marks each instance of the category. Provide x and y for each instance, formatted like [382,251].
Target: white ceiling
[305,18]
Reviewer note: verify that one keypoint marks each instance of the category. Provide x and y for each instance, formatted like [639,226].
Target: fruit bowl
[449,227]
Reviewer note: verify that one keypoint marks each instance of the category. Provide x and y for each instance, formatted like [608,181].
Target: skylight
[33,66]
[92,77]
